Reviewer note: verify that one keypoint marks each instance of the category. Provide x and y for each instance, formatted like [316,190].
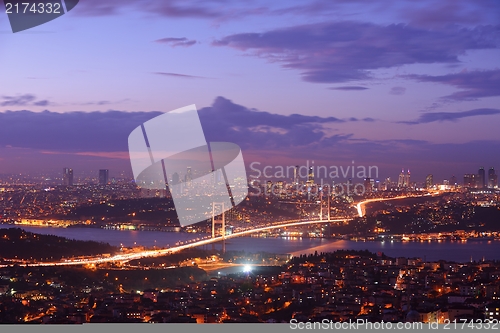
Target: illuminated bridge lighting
[187,245]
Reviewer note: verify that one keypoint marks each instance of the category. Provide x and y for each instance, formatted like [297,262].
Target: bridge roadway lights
[203,242]
[213,239]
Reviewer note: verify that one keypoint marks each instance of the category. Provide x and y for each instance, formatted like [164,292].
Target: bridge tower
[328,206]
[223,222]
[321,205]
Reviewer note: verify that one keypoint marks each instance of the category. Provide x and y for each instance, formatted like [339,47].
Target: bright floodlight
[247,268]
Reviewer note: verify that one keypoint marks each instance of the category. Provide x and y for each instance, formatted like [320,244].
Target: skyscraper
[67,177]
[218,176]
[481,181]
[296,175]
[470,180]
[492,178]
[176,179]
[310,177]
[387,184]
[401,179]
[429,181]
[368,185]
[189,174]
[407,179]
[103,176]
[453,181]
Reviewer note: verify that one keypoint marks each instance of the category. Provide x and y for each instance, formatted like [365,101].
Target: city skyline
[396,84]
[292,175]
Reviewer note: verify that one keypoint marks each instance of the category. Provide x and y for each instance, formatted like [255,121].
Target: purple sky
[413,84]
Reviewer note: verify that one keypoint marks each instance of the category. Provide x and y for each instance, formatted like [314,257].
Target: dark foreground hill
[20,244]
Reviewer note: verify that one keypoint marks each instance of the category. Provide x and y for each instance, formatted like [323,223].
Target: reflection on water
[115,237]
[451,251]
[447,250]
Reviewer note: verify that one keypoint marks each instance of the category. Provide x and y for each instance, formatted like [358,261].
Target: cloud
[451,116]
[174,42]
[210,9]
[42,103]
[112,154]
[97,103]
[348,51]
[251,129]
[225,114]
[475,84]
[204,9]
[80,132]
[451,12]
[103,102]
[22,100]
[422,13]
[263,131]
[94,140]
[71,131]
[397,91]
[349,88]
[182,76]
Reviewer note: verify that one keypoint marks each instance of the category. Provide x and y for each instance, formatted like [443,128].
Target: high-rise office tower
[407,179]
[310,177]
[176,179]
[103,176]
[188,177]
[481,180]
[453,181]
[67,177]
[429,181]
[470,180]
[401,178]
[218,176]
[388,184]
[296,175]
[349,185]
[492,178]
[368,185]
